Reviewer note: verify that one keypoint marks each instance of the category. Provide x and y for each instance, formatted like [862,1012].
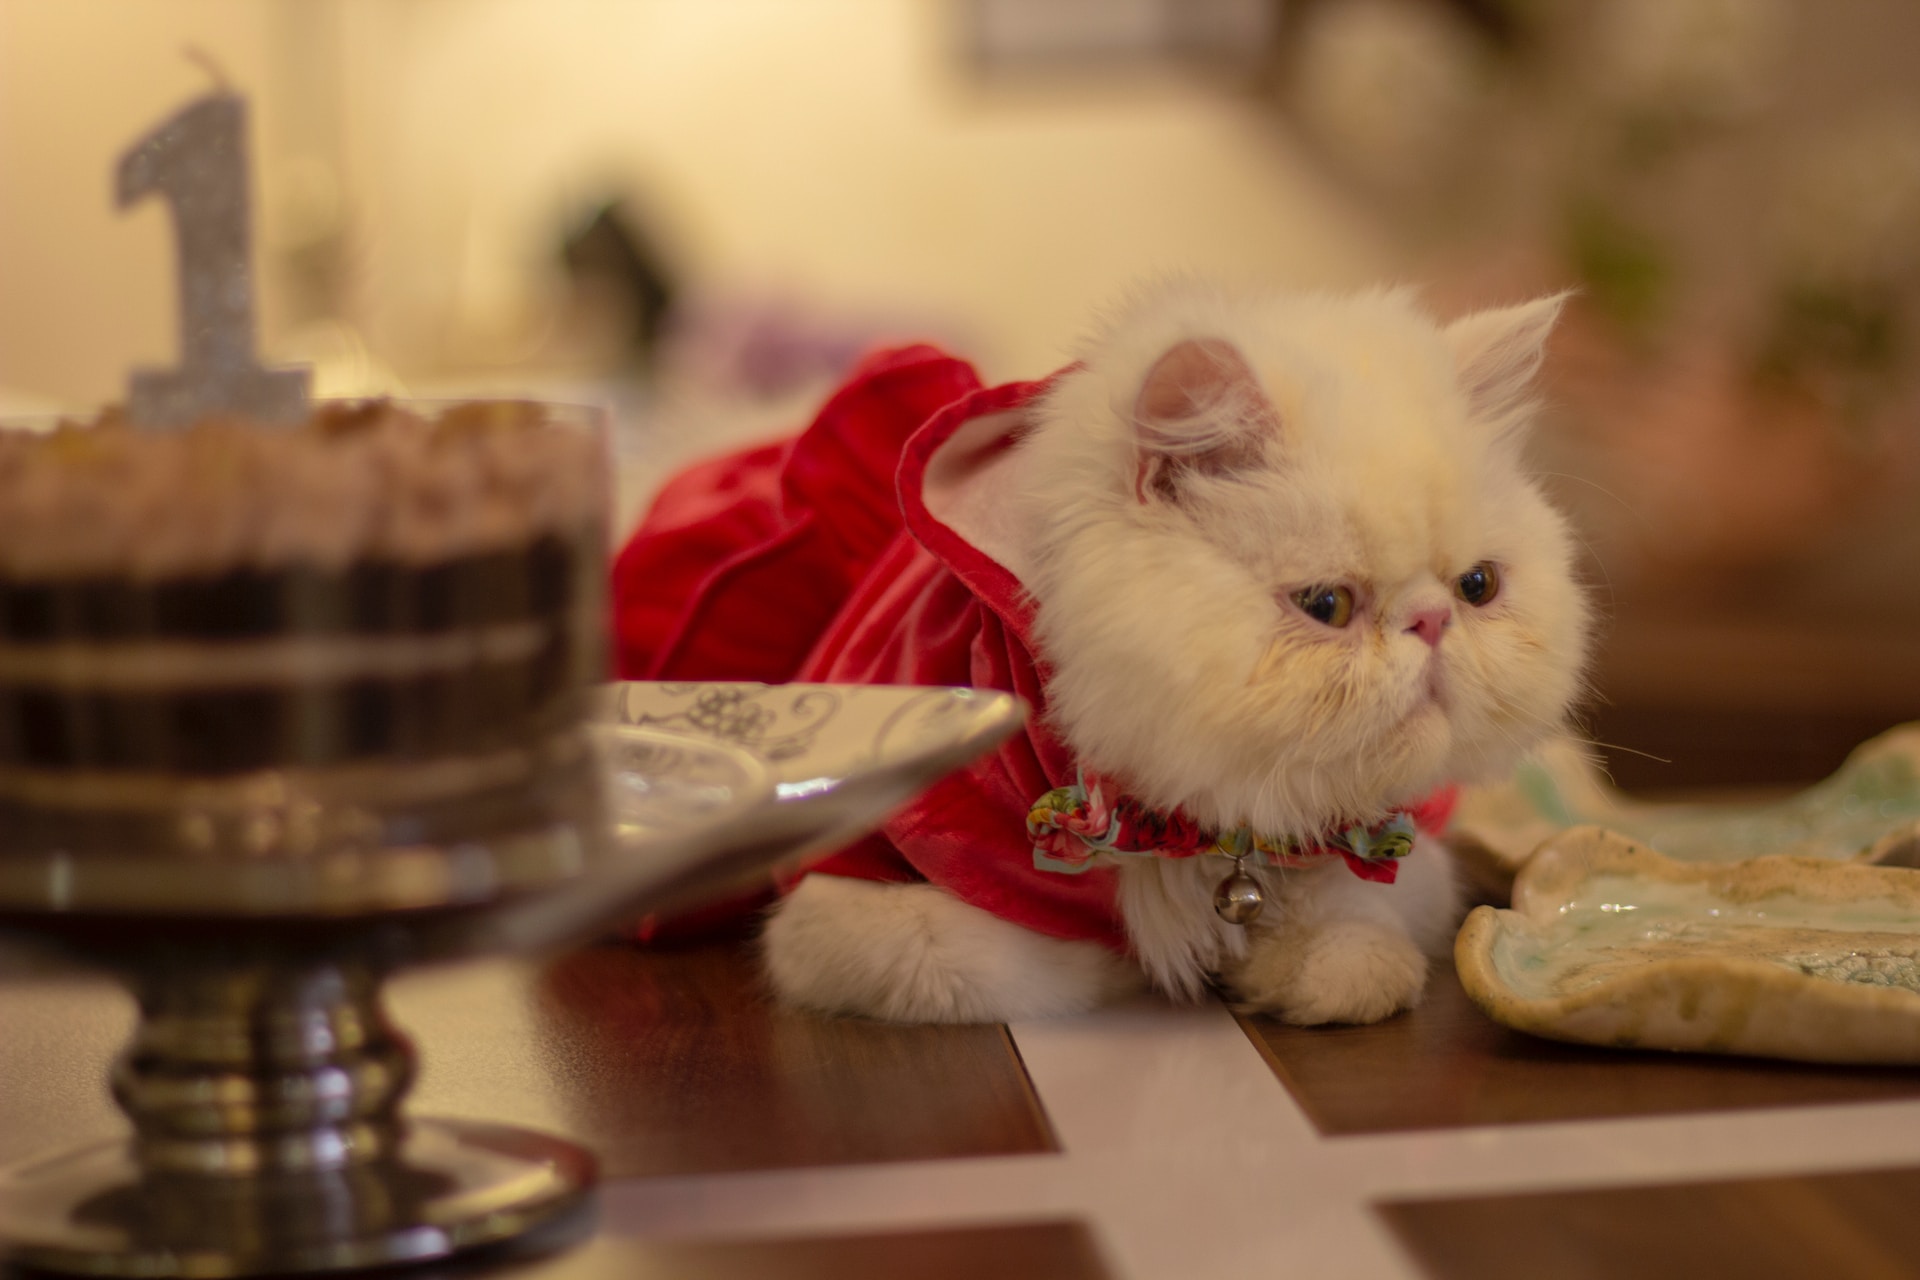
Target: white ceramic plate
[663,784]
[715,787]
[840,758]
[1868,810]
[1610,943]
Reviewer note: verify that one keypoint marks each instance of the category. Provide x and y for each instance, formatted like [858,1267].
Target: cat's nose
[1429,623]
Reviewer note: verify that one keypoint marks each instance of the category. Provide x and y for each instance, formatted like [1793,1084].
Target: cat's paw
[1341,971]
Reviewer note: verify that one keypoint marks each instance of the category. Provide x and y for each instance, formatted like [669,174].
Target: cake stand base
[452,1185]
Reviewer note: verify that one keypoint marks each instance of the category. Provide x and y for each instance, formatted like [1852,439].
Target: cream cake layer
[366,481]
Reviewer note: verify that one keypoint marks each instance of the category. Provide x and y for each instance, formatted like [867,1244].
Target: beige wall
[829,147]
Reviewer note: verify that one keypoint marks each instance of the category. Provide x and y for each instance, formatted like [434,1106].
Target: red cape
[817,559]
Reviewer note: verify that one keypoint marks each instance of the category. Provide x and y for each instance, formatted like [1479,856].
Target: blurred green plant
[1838,343]
[1624,269]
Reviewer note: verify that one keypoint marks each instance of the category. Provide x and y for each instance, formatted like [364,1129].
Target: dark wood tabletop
[673,1064]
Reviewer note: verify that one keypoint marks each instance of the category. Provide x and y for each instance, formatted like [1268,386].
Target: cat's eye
[1332,606]
[1478,585]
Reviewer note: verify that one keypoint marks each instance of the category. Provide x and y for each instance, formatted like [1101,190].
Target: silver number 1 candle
[197,162]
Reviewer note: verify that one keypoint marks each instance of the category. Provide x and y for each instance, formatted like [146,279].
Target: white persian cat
[1289,573]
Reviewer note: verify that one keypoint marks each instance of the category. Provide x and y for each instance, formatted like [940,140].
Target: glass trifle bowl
[283,710]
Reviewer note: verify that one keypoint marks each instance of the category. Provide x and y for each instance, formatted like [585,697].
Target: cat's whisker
[1632,751]
[1600,489]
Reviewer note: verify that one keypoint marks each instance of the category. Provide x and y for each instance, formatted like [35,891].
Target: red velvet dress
[796,561]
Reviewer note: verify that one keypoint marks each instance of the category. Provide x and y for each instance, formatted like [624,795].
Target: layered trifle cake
[385,600]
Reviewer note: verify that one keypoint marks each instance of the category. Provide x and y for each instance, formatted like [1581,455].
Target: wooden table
[741,1139]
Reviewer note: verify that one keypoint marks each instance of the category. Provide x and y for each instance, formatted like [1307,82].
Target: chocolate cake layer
[368,598]
[228,729]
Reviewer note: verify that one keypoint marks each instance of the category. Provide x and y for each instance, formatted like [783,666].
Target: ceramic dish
[840,758]
[1610,943]
[1869,811]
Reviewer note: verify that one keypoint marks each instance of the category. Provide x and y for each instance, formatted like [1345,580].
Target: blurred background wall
[701,210]
[421,161]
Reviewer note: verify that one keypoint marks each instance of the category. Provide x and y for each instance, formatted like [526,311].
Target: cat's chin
[1423,741]
[1401,773]
[1429,708]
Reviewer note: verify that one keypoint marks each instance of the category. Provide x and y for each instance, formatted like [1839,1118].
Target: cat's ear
[1498,352]
[1200,411]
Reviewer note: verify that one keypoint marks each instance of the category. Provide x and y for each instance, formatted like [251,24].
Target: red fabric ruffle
[810,560]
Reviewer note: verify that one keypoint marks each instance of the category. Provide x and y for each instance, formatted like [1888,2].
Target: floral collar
[1073,827]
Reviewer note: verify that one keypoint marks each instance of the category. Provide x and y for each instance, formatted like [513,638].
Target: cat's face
[1293,572]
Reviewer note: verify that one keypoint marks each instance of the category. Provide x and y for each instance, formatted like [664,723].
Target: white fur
[1343,949]
[916,953]
[1378,451]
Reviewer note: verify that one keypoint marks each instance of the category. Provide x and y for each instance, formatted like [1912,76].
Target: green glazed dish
[1868,811]
[1610,943]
